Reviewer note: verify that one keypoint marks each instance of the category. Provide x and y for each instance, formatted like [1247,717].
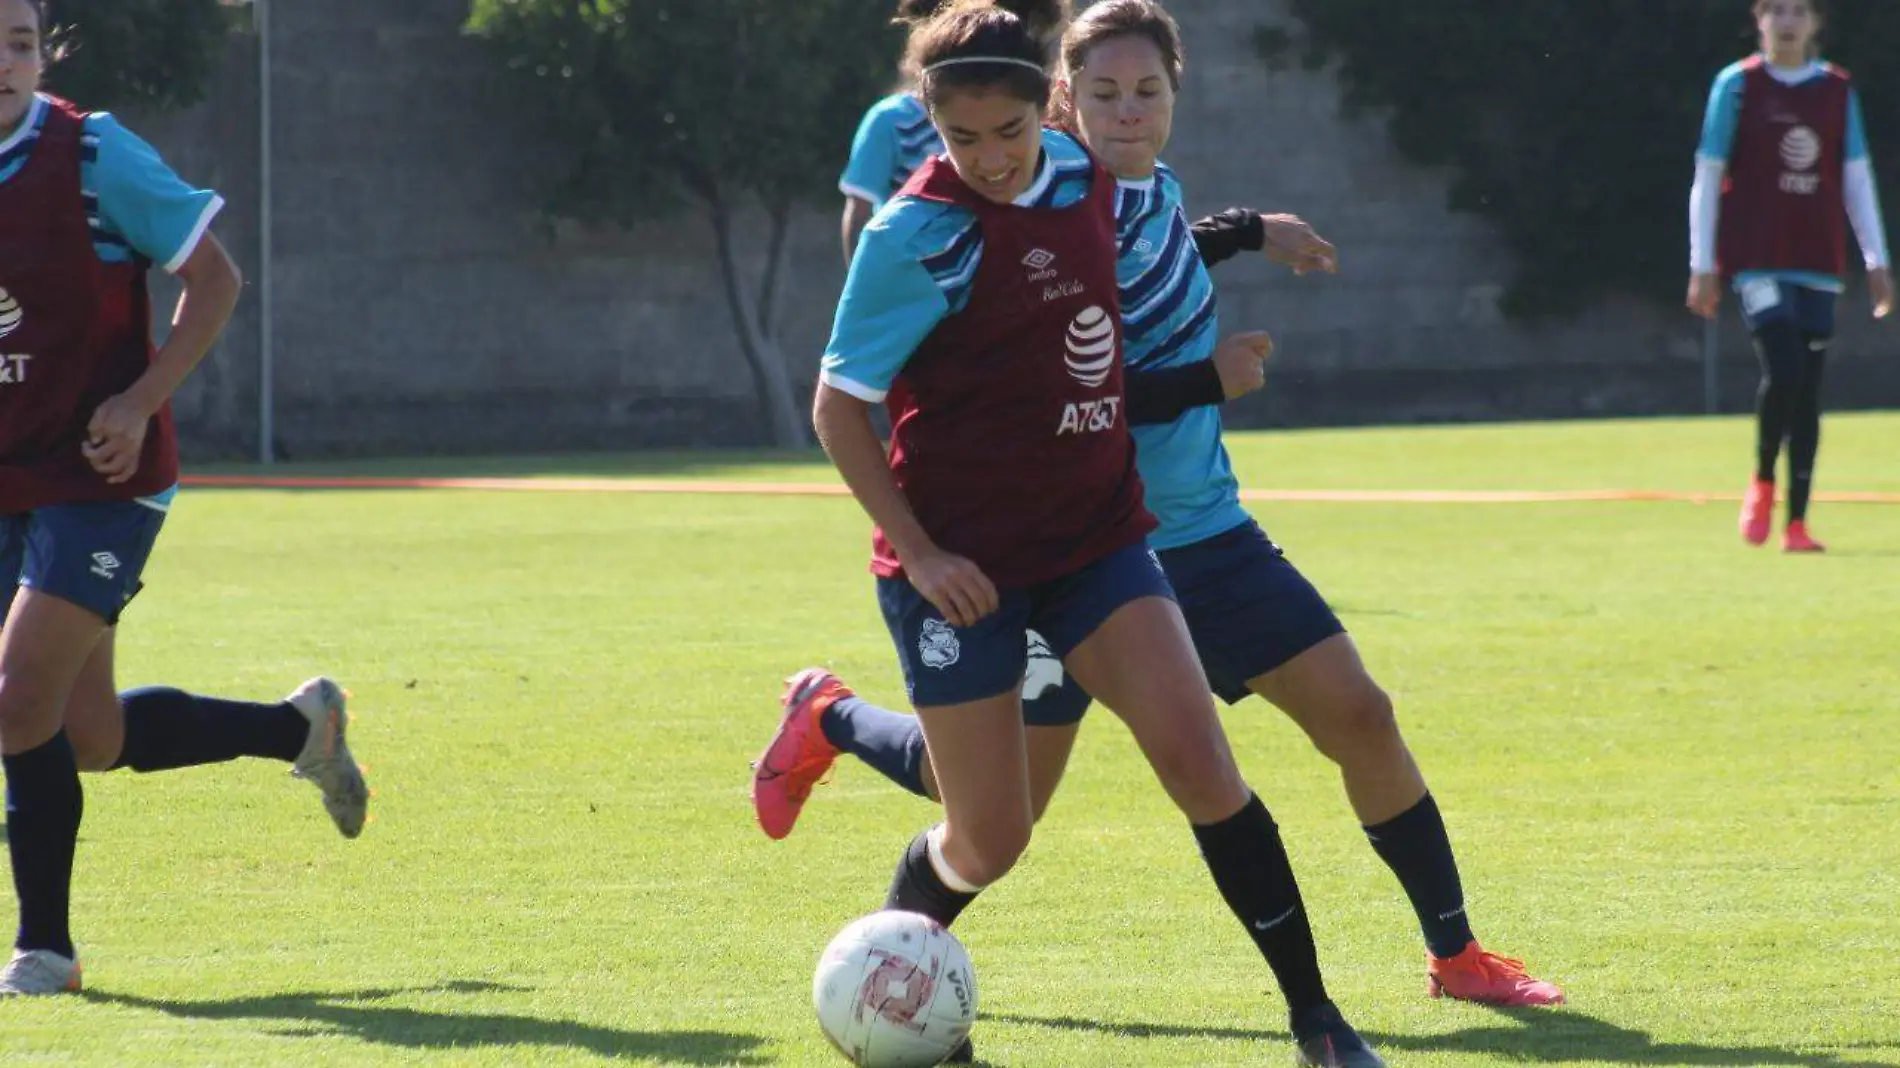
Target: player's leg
[47,636]
[824,718]
[44,644]
[964,682]
[160,728]
[1328,692]
[1124,639]
[1261,628]
[1053,707]
[1782,351]
[1815,311]
[984,775]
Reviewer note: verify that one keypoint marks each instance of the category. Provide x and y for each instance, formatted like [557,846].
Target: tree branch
[779,213]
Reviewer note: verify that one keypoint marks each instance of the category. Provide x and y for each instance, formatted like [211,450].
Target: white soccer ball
[895,990]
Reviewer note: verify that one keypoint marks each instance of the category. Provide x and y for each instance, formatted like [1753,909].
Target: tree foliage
[1570,125]
[725,104]
[149,53]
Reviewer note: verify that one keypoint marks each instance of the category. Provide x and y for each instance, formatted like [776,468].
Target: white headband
[960,60]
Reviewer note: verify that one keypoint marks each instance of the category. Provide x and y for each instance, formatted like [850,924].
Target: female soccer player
[1258,624]
[896,136]
[1783,161]
[88,467]
[982,307]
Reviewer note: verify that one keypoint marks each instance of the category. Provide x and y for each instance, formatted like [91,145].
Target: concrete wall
[422,306]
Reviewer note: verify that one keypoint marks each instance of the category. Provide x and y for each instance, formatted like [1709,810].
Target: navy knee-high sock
[1415,845]
[917,887]
[1782,351]
[44,805]
[1250,866]
[167,728]
[1804,431]
[891,742]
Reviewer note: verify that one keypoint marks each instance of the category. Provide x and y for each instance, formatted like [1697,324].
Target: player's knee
[1201,777]
[1372,716]
[27,704]
[1364,723]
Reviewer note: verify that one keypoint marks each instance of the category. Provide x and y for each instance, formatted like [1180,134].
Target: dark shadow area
[364,1015]
[1532,1035]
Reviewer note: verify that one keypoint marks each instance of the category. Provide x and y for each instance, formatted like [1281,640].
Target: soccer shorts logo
[938,645]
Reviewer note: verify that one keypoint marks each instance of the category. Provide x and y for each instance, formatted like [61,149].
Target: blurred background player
[1781,168]
[1258,624]
[896,135]
[982,307]
[88,468]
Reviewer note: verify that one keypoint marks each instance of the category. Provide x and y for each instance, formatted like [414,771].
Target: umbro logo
[1038,259]
[105,565]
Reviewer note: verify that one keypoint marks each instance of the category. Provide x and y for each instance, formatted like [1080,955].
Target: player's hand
[1705,294]
[955,585]
[1241,361]
[1880,289]
[116,438]
[1290,240]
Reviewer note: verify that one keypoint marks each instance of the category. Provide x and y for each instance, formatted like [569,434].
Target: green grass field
[1668,761]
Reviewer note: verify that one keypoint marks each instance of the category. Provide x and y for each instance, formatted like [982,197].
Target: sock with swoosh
[1250,866]
[1417,849]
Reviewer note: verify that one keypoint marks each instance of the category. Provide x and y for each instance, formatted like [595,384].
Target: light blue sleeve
[143,200]
[1718,122]
[872,171]
[890,305]
[1856,128]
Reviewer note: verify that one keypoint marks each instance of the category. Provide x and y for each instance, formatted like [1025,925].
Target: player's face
[1124,104]
[994,138]
[1788,27]
[19,61]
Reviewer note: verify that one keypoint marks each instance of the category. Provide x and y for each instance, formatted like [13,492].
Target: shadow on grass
[1533,1036]
[366,1015]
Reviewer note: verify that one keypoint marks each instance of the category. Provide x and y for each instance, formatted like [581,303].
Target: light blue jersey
[1718,142]
[914,266]
[136,204]
[895,138]
[1169,317]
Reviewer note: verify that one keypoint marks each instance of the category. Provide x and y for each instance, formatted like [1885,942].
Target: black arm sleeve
[1224,236]
[1163,396]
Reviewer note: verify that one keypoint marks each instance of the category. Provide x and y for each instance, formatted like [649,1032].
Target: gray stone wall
[422,306]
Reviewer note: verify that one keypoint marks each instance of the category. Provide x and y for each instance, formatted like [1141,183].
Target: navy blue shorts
[89,554]
[945,665]
[1249,611]
[1768,300]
